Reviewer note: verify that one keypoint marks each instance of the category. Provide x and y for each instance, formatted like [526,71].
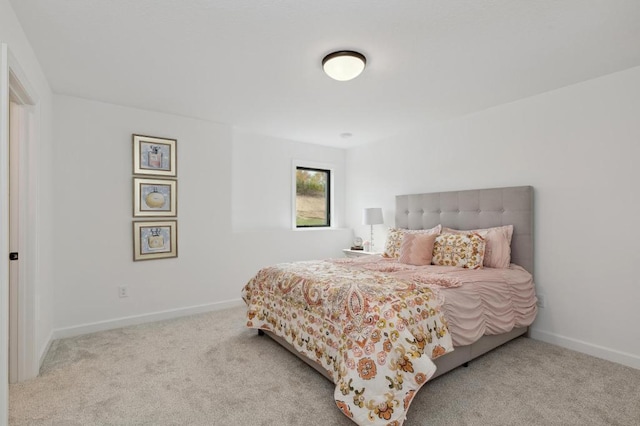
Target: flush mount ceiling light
[344,65]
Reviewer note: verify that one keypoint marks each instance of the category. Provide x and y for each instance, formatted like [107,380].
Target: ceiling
[256,64]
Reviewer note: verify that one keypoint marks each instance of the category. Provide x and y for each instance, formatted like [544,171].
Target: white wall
[261,166]
[579,147]
[93,215]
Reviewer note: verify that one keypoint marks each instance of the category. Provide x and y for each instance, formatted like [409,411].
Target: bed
[416,335]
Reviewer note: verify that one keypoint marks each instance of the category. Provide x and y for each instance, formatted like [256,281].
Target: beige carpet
[210,370]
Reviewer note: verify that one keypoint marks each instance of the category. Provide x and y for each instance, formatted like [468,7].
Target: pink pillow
[395,236]
[498,244]
[417,249]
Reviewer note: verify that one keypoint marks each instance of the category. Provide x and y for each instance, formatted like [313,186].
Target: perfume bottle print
[155,157]
[155,240]
[154,199]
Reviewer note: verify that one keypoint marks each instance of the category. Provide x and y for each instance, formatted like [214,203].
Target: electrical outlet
[542,302]
[123,291]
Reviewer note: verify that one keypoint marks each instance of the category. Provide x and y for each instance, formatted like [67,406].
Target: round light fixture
[344,65]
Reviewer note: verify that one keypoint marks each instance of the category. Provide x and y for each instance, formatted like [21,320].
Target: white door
[18,101]
[18,225]
[14,226]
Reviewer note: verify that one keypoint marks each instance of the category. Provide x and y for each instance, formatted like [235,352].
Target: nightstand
[358,253]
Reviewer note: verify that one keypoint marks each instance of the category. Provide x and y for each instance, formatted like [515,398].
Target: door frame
[14,85]
[4,234]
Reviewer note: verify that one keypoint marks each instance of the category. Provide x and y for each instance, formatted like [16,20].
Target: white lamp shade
[372,216]
[344,65]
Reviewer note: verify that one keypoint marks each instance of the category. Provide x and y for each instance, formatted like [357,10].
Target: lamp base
[371,240]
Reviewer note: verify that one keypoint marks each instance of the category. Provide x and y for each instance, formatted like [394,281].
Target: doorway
[18,214]
[22,227]
[19,118]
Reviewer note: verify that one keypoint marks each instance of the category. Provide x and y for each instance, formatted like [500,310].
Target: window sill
[329,228]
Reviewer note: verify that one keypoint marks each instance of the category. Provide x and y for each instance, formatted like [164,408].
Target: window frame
[312,166]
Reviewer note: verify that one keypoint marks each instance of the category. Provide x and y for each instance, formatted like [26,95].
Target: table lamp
[372,216]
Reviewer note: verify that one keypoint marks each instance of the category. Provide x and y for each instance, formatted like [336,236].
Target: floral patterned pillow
[497,252]
[395,236]
[461,250]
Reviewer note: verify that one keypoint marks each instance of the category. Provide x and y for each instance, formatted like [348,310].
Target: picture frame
[154,156]
[155,239]
[155,197]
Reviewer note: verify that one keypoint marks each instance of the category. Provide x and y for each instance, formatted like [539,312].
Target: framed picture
[154,156]
[155,240]
[154,197]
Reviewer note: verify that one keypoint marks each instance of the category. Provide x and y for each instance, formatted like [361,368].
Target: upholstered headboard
[472,209]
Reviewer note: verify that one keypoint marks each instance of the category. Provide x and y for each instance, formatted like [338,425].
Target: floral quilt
[374,326]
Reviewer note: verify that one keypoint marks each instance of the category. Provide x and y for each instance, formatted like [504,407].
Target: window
[313,197]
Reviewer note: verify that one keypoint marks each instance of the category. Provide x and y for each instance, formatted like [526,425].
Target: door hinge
[13,256]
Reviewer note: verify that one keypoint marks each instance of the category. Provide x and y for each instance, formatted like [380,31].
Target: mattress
[373,324]
[475,302]
[487,302]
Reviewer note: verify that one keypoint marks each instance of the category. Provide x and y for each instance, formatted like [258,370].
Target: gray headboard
[472,209]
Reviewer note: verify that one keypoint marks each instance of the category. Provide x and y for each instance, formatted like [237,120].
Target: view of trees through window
[312,197]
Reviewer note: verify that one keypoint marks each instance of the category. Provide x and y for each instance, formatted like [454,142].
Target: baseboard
[45,350]
[624,358]
[78,330]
